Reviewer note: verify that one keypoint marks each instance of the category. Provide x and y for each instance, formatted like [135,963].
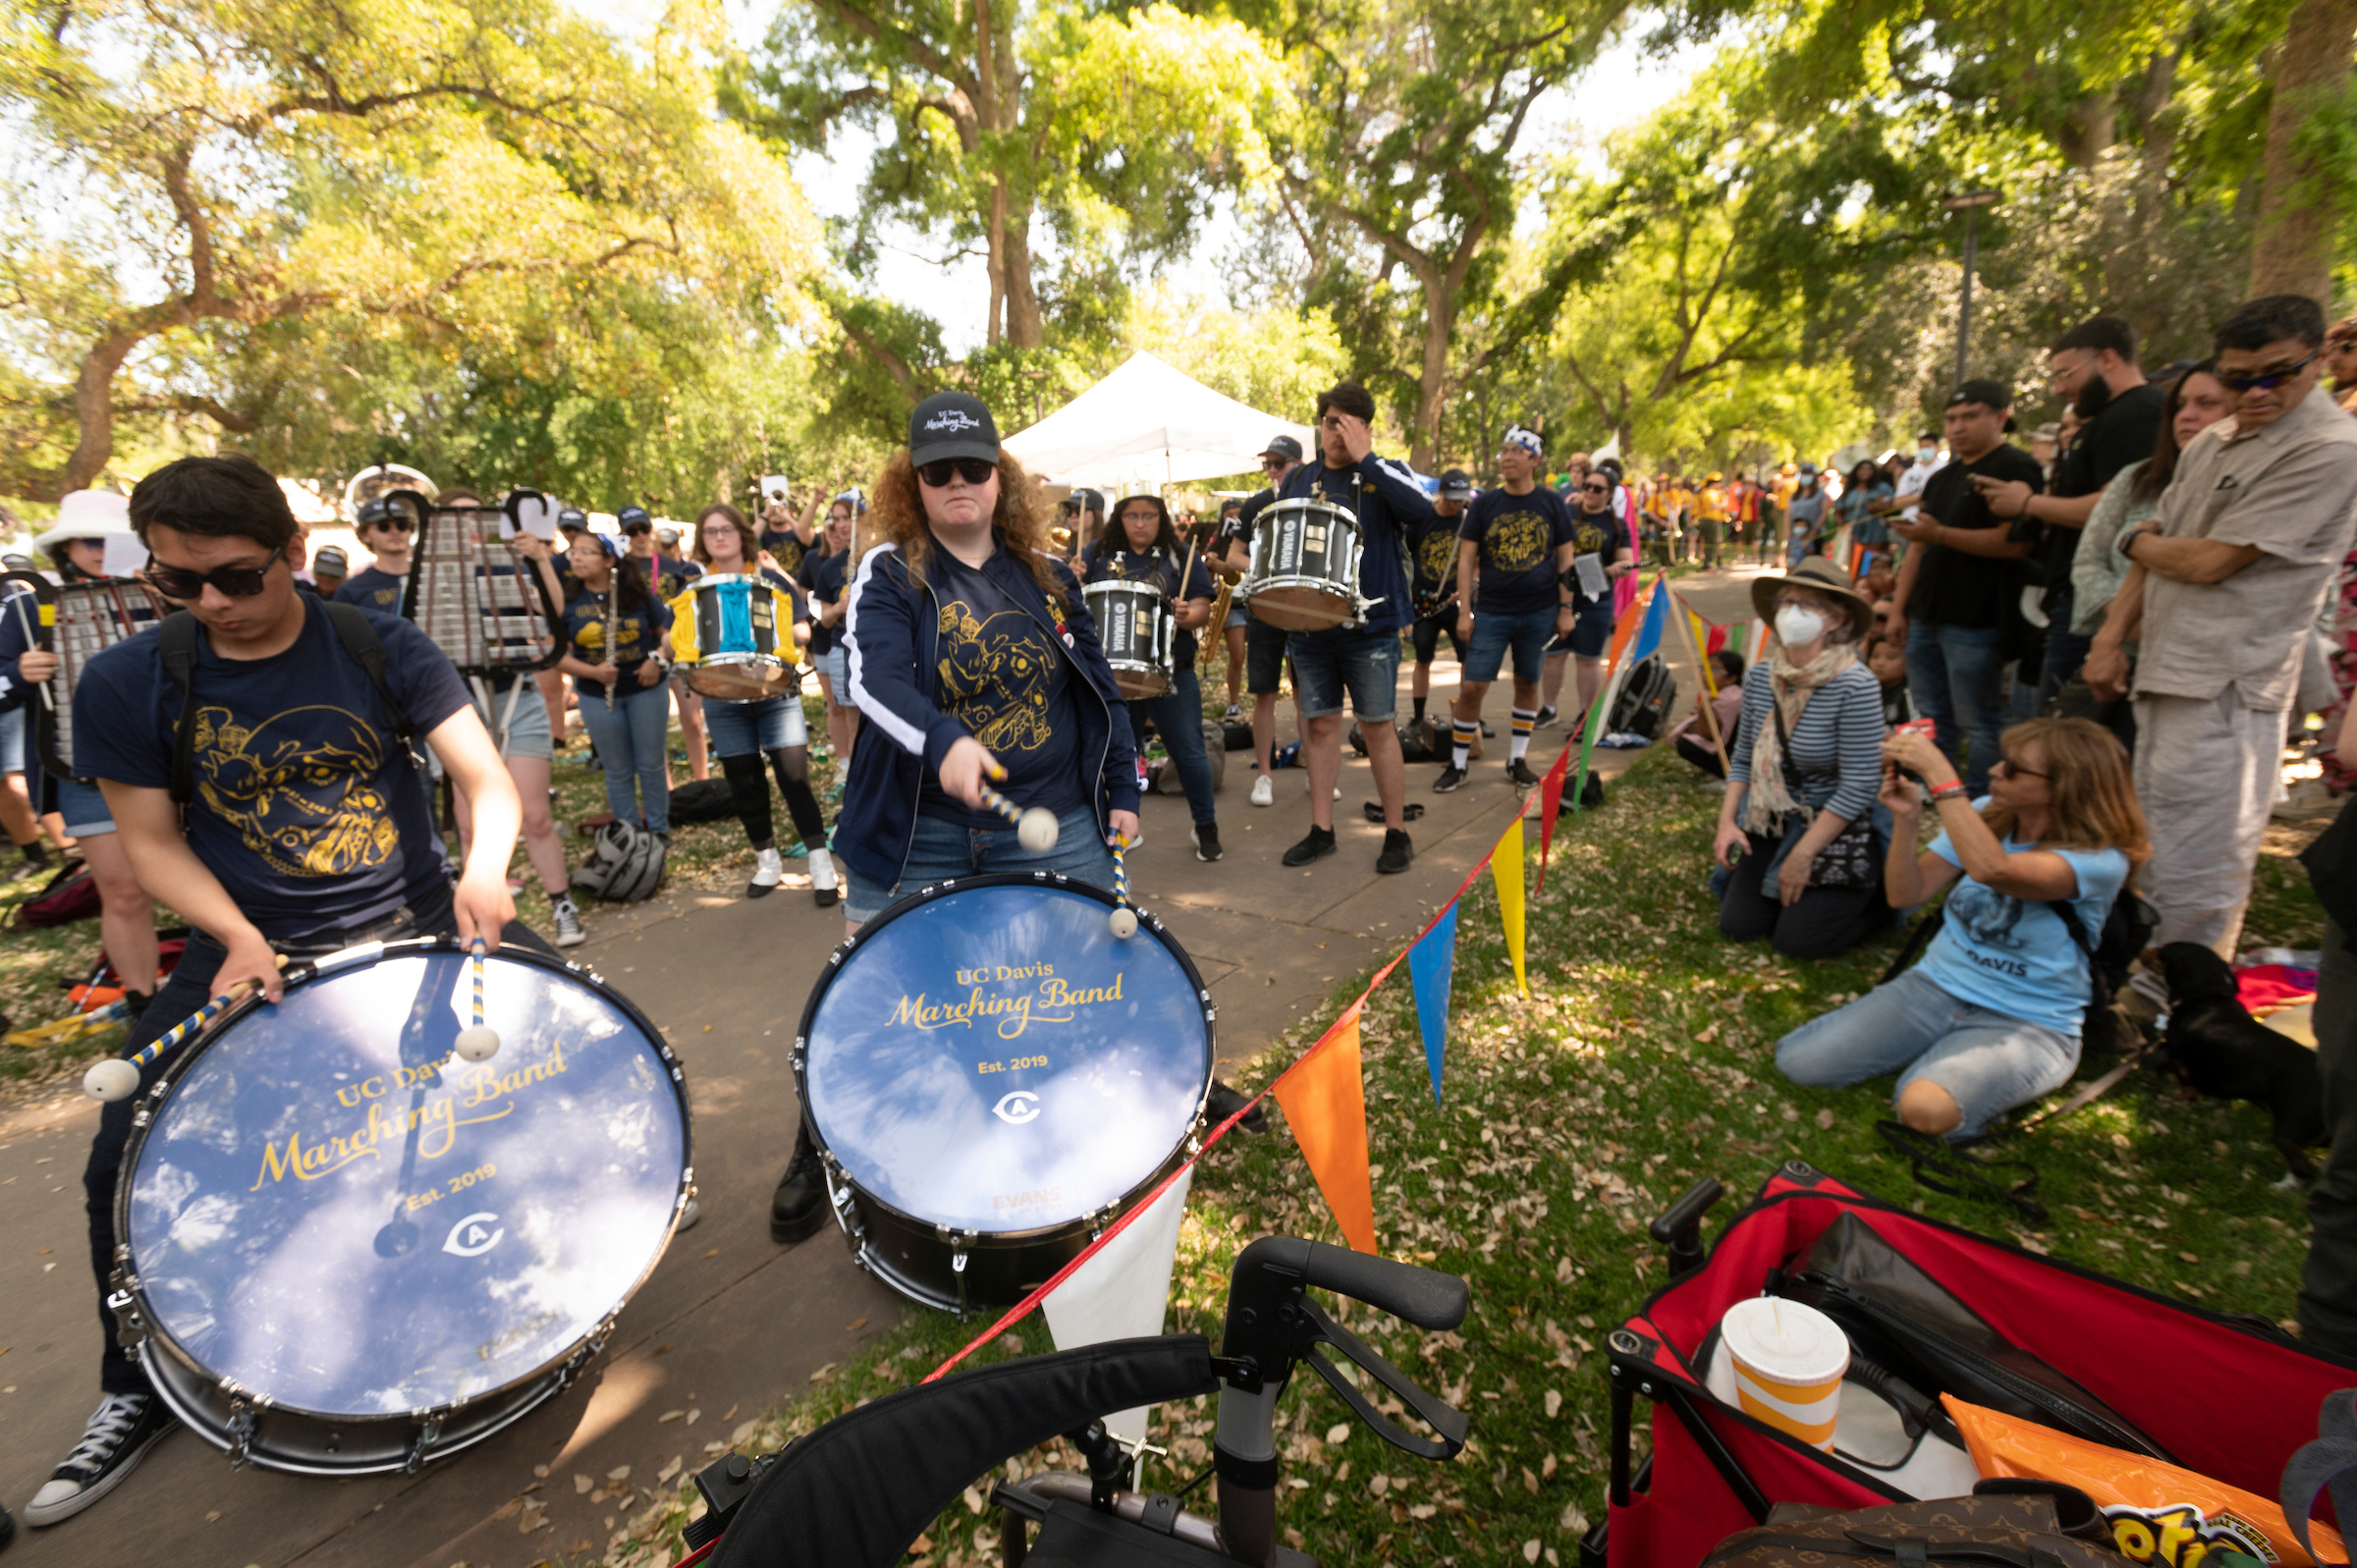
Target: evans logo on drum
[474,1236]
[1026,1200]
[1016,1108]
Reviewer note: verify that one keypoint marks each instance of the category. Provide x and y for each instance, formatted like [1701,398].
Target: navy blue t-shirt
[638,633]
[823,577]
[1432,554]
[308,809]
[1603,535]
[1518,536]
[1004,676]
[1161,570]
[372,589]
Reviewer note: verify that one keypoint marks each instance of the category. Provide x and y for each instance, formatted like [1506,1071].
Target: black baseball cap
[1089,501]
[572,520]
[634,519]
[1988,394]
[1285,447]
[331,559]
[951,424]
[1456,485]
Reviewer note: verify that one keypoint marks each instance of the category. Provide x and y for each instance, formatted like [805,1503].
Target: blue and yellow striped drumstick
[118,1077]
[478,1042]
[1123,919]
[1034,826]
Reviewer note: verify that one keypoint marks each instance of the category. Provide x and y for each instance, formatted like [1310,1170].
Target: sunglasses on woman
[2262,380]
[2014,770]
[238,582]
[974,470]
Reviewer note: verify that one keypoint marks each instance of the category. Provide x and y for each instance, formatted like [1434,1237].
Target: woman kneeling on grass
[1989,1019]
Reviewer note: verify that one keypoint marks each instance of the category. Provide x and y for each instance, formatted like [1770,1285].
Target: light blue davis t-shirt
[2014,956]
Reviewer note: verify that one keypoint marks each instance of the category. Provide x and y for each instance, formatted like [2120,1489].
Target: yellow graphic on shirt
[1437,553]
[1587,538]
[1517,542]
[996,676]
[300,788]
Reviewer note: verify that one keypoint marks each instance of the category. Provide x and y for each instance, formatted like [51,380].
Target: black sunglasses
[238,582]
[974,470]
[2269,378]
[2014,770]
[1275,462]
[1597,490]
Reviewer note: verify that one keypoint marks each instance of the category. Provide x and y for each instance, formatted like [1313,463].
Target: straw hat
[1825,578]
[86,515]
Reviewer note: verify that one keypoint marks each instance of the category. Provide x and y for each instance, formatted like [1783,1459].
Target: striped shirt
[1834,757]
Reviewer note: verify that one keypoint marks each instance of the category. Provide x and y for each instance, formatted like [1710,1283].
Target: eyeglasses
[2014,770]
[2265,379]
[974,470]
[1141,516]
[238,582]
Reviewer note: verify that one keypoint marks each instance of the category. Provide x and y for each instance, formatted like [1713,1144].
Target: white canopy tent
[1152,423]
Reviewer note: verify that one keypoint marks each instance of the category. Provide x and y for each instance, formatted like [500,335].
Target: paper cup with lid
[1788,1360]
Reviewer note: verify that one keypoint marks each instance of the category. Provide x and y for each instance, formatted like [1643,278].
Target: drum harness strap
[176,646]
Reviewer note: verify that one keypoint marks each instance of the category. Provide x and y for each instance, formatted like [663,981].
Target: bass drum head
[739,678]
[988,1057]
[329,1210]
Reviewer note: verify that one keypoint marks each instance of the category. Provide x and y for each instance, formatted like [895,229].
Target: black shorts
[1425,636]
[1264,657]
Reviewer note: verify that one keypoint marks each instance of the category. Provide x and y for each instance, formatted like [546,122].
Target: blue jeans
[1364,663]
[742,728]
[1988,1061]
[1179,714]
[1527,634]
[939,850]
[629,746]
[1956,681]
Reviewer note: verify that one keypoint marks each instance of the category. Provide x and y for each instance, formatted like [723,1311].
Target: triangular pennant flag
[1431,968]
[1122,1292]
[1506,869]
[1325,1102]
[1550,802]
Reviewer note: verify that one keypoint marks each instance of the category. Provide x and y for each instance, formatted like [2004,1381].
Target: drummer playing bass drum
[1140,545]
[307,831]
[970,652]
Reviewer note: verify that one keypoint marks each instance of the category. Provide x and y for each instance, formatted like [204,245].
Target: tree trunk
[1432,383]
[2089,130]
[2300,202]
[996,240]
[1023,326]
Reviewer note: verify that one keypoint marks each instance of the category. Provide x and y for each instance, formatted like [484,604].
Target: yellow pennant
[1505,867]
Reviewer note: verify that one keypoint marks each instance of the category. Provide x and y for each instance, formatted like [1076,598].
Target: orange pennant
[1325,1102]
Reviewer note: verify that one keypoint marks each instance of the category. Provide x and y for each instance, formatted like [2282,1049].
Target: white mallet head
[1123,921]
[479,1042]
[110,1080]
[1035,830]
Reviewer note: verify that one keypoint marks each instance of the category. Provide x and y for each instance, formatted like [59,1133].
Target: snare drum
[1303,570]
[990,1077]
[344,1250]
[1135,626]
[735,641]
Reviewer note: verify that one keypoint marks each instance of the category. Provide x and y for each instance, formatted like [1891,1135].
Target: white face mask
[1925,454]
[1798,627]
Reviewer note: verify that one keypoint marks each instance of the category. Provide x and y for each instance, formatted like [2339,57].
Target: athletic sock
[1466,729]
[1419,702]
[1525,719]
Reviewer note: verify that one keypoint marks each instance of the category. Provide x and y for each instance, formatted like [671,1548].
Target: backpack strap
[360,640]
[2074,924]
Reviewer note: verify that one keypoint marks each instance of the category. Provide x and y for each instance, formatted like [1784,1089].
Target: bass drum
[990,1077]
[344,1250]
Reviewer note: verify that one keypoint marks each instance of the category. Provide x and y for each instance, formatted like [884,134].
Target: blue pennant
[1431,964]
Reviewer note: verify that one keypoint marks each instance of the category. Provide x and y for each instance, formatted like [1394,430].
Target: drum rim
[1305,504]
[919,899]
[1123,585]
[159,1096]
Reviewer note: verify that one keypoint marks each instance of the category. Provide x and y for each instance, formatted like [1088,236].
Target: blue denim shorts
[84,808]
[1590,634]
[1526,634]
[835,665]
[940,850]
[12,740]
[1365,664]
[740,728]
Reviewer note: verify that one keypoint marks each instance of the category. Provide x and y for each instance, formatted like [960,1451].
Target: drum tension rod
[428,1434]
[241,1425]
[958,1242]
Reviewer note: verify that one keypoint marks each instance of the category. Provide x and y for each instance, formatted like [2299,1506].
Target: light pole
[1969,204]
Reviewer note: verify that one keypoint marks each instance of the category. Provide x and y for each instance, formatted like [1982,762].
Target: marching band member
[385,533]
[1263,645]
[973,658]
[1432,554]
[615,631]
[305,829]
[666,576]
[1140,545]
[826,575]
[745,733]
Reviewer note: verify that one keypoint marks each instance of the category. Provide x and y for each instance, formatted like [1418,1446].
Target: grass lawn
[1640,1063]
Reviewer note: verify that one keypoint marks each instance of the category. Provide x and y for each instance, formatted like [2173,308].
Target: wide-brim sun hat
[1825,578]
[86,515]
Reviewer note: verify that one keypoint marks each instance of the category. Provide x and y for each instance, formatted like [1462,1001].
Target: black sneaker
[1452,778]
[117,1438]
[1546,718]
[1319,843]
[798,1209]
[1206,839]
[1223,1102]
[1398,850]
[1487,733]
[1517,772]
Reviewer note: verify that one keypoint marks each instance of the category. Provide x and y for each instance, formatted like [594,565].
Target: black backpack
[1643,706]
[2127,931]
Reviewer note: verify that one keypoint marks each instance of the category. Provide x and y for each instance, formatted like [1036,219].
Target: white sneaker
[824,886]
[1264,793]
[769,869]
[569,925]
[1338,791]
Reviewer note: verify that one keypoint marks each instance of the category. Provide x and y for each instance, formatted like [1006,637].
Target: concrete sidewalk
[729,1323]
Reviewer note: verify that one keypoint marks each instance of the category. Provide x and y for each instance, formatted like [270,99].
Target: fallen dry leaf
[693,1416]
[974,1500]
[1554,1404]
[856,1323]
[507,1510]
[619,1473]
[1825,1118]
[1530,1549]
[582,1486]
[670,1470]
[669,1416]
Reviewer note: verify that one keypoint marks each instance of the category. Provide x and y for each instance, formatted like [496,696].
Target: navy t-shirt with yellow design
[1000,674]
[636,635]
[1518,536]
[1160,570]
[1435,561]
[372,588]
[1599,534]
[307,809]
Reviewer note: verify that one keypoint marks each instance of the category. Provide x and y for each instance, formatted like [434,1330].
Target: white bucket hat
[86,515]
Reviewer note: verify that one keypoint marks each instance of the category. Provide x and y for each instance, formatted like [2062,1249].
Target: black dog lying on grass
[2227,1055]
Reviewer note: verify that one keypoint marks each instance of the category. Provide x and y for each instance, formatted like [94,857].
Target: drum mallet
[118,1077]
[1034,826]
[478,1042]
[1123,919]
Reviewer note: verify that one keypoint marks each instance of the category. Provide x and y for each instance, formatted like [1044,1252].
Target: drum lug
[241,1425]
[958,1267]
[131,1326]
[429,1433]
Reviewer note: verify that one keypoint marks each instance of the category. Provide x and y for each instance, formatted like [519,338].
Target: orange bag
[2161,1514]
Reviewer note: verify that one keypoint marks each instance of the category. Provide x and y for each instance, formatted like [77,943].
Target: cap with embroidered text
[951,424]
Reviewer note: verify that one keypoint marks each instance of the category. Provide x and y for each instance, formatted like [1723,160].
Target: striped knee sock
[1526,719]
[1464,731]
